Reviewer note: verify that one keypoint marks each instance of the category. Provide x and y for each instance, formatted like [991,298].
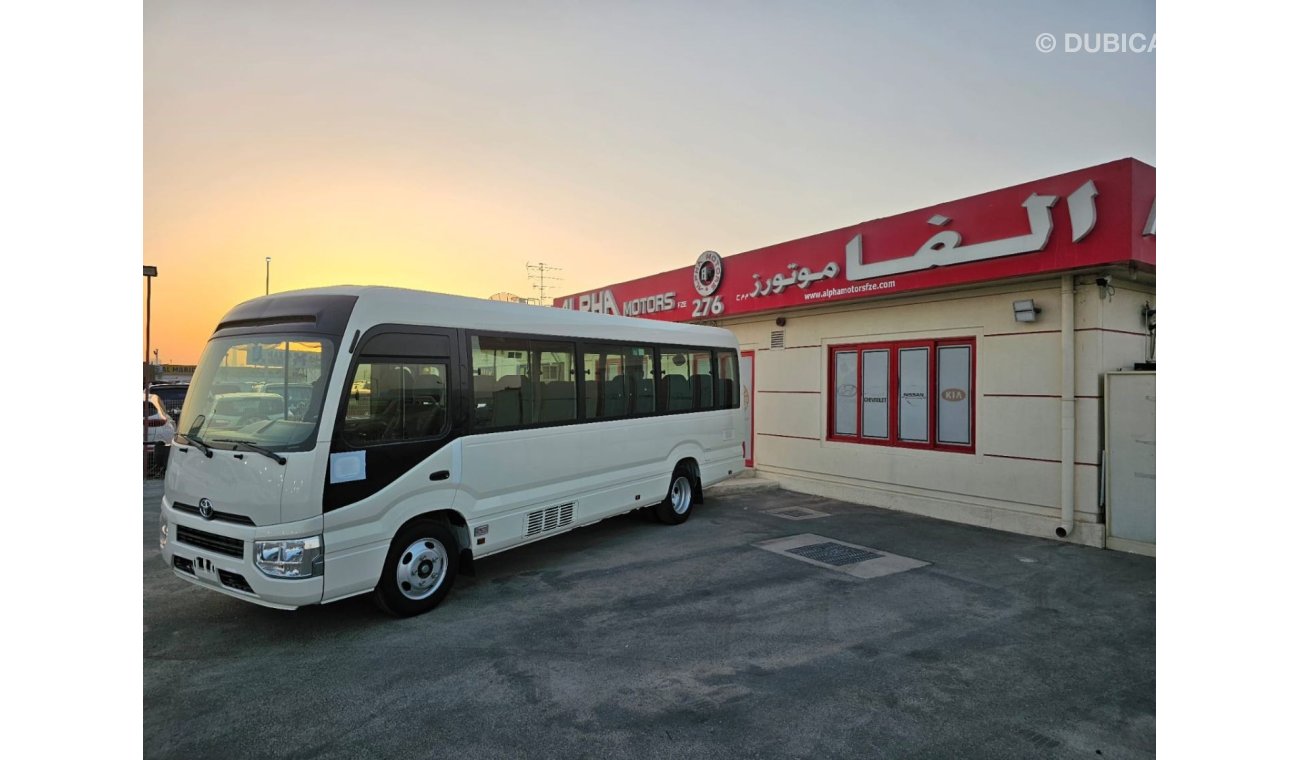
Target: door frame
[753,395]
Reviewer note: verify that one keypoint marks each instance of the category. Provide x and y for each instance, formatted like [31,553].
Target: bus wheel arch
[684,493]
[693,466]
[459,527]
[422,563]
[454,521]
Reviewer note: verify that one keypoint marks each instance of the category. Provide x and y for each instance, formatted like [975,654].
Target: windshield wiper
[253,447]
[197,441]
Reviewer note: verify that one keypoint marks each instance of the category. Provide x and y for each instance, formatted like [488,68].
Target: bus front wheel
[420,569]
[682,496]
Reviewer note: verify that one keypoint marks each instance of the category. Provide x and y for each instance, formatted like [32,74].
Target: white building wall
[1012,481]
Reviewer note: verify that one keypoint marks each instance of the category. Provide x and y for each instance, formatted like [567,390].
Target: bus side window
[557,390]
[511,402]
[675,366]
[640,370]
[518,381]
[701,363]
[402,400]
[592,385]
[501,371]
[618,381]
[558,401]
[616,397]
[484,388]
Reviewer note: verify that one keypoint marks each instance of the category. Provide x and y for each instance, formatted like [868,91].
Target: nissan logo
[205,509]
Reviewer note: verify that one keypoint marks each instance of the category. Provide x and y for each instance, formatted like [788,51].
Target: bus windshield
[265,390]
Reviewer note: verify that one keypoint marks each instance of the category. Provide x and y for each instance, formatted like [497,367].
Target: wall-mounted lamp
[780,321]
[1025,311]
[1106,289]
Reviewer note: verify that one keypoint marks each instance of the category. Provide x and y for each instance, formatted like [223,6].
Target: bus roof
[380,305]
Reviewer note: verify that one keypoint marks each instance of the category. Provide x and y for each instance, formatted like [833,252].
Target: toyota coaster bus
[353,440]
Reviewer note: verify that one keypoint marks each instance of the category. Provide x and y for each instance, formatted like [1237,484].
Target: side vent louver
[551,518]
[778,339]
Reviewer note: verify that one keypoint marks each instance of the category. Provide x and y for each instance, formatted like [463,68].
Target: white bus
[349,440]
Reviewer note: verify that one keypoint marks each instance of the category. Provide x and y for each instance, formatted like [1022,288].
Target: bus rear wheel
[682,496]
[420,569]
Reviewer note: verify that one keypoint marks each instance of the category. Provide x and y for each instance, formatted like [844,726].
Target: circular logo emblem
[205,509]
[953,394]
[708,273]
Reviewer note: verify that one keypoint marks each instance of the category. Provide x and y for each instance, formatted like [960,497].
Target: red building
[988,360]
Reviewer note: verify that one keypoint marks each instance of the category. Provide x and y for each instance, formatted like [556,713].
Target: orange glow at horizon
[336,229]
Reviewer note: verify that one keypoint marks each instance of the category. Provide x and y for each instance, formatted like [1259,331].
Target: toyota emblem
[205,509]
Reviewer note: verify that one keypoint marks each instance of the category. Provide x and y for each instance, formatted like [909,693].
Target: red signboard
[1102,215]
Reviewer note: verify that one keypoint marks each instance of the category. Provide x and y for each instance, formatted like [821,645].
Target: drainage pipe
[1067,407]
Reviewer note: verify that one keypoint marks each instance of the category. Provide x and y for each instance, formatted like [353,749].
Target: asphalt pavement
[630,639]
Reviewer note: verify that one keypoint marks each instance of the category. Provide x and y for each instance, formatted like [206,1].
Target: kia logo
[205,509]
[953,394]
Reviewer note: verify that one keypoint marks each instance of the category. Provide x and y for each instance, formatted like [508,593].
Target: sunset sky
[443,146]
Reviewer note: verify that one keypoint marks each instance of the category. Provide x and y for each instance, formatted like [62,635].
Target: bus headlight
[289,558]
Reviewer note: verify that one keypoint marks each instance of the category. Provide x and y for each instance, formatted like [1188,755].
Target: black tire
[422,551]
[683,495]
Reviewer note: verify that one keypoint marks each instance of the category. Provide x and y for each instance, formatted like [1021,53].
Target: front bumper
[219,556]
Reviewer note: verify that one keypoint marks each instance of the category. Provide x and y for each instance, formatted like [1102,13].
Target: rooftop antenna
[540,273]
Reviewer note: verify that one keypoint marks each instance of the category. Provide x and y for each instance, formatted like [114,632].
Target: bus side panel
[605,468]
[600,467]
[725,456]
[357,536]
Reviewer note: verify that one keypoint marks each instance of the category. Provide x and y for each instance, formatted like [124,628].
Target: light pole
[268,275]
[149,274]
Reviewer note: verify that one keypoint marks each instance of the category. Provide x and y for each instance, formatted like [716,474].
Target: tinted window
[393,401]
[701,379]
[687,378]
[523,382]
[619,381]
[557,389]
[675,379]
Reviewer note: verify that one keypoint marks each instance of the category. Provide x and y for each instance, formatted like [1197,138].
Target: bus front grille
[221,516]
[231,547]
[551,518]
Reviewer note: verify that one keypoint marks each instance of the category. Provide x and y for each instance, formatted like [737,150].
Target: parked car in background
[159,430]
[172,395]
[299,395]
[231,411]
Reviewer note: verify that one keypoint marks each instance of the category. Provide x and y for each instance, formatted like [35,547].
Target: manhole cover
[835,554]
